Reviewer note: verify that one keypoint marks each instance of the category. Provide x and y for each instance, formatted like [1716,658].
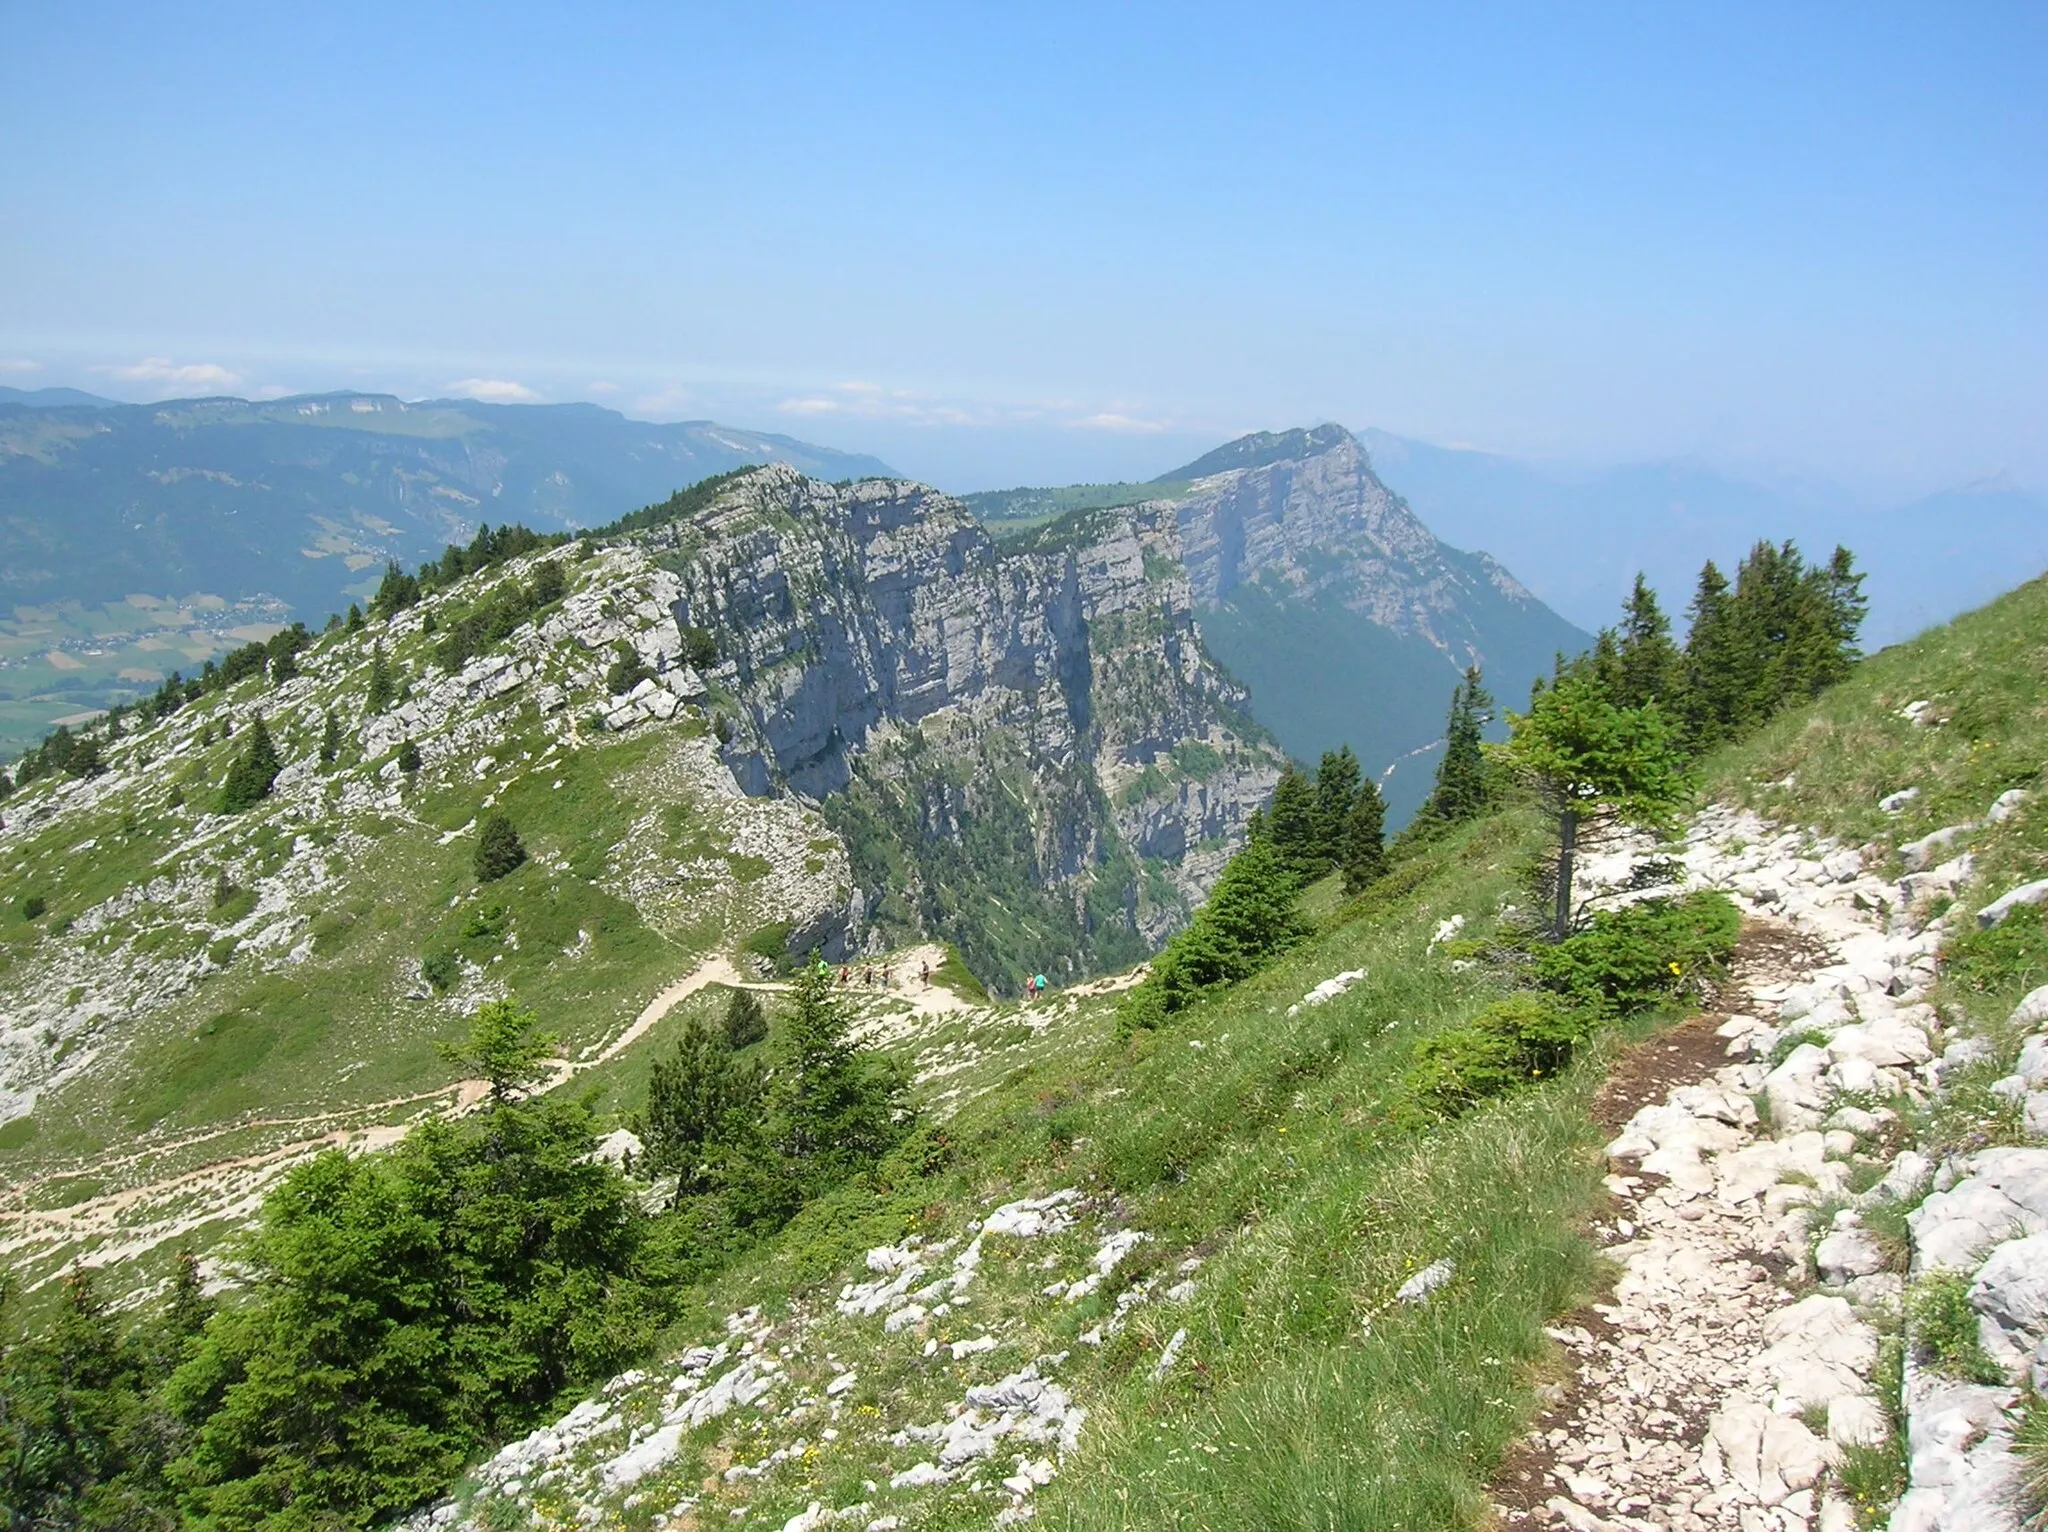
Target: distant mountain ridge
[304,498]
[1578,535]
[1346,617]
[135,537]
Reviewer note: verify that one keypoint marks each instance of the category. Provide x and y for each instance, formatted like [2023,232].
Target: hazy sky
[1047,242]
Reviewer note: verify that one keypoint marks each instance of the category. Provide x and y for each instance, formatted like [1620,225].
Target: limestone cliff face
[1324,524]
[1345,616]
[1038,728]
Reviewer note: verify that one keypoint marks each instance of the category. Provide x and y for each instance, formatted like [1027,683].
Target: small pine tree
[746,1023]
[549,585]
[330,739]
[354,621]
[1337,779]
[1648,666]
[836,1106]
[504,1050]
[498,851]
[698,1098]
[1461,786]
[1712,699]
[284,666]
[1291,825]
[409,759]
[255,769]
[6,784]
[1365,851]
[627,669]
[381,688]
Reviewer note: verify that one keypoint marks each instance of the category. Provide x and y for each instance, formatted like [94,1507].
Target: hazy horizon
[997,250]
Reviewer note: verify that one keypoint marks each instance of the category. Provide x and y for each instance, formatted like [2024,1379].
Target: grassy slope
[1986,678]
[1273,1147]
[1280,1151]
[245,1059]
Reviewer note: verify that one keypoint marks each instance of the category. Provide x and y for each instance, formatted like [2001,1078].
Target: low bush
[1510,1043]
[1642,955]
[442,970]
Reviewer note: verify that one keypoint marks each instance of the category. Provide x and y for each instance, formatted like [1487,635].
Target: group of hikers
[1034,987]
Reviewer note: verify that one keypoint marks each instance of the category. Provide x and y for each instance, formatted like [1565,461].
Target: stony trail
[1730,1371]
[134,1219]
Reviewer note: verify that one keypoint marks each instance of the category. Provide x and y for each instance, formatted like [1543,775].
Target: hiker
[1038,985]
[924,972]
[845,973]
[867,976]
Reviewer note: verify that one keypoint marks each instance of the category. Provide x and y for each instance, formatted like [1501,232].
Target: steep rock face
[1345,616]
[1039,727]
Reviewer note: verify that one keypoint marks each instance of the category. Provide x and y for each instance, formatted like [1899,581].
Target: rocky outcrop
[1344,614]
[1051,709]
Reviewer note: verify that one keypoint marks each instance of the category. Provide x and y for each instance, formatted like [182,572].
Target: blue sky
[1053,242]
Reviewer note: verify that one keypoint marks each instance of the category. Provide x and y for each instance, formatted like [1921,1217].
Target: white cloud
[602,388]
[164,373]
[19,364]
[668,403]
[493,391]
[1112,420]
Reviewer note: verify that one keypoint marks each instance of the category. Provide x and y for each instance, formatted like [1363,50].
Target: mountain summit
[1349,620]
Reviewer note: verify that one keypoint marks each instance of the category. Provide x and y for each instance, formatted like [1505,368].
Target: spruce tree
[381,689]
[746,1023]
[1336,790]
[1365,851]
[1291,825]
[697,1098]
[504,1050]
[354,623]
[255,769]
[1648,666]
[835,1106]
[1713,669]
[498,851]
[1461,787]
[409,759]
[330,739]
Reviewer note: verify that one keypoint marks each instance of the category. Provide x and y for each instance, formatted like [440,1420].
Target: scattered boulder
[1895,803]
[2026,894]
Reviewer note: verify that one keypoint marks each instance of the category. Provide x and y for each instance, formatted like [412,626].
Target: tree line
[403,1312]
[1609,735]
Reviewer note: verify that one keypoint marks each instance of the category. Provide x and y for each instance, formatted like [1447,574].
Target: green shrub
[627,670]
[2030,1443]
[1943,1327]
[33,906]
[746,1023]
[1791,1041]
[498,849]
[1510,1043]
[700,648]
[442,970]
[1248,921]
[1642,955]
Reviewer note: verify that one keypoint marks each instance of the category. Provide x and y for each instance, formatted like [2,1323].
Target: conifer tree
[409,759]
[698,1099]
[1647,665]
[354,622]
[1461,787]
[1365,851]
[1591,763]
[381,689]
[746,1023]
[330,739]
[1336,791]
[836,1107]
[504,1049]
[1713,668]
[1291,825]
[255,769]
[498,850]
